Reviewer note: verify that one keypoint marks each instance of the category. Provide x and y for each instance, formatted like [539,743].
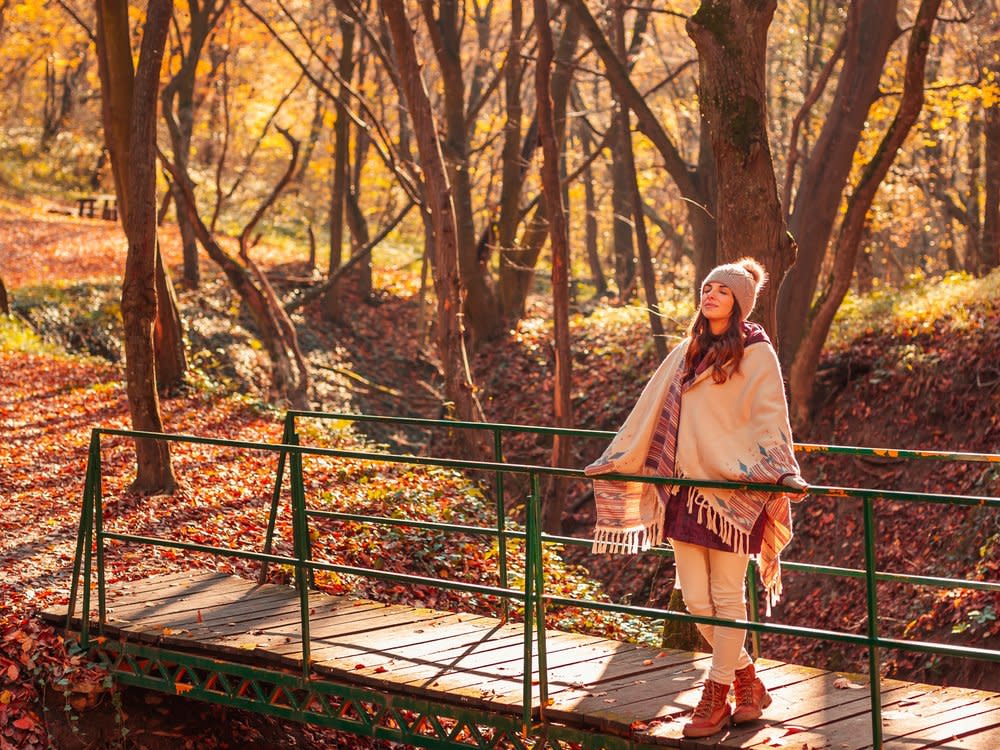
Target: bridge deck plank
[594,682]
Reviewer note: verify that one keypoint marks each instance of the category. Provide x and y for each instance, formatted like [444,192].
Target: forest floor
[914,369]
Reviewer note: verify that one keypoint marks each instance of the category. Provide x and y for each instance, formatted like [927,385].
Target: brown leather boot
[712,712]
[751,696]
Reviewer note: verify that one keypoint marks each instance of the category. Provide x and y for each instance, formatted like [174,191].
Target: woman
[714,410]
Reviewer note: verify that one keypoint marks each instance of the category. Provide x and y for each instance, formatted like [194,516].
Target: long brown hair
[718,350]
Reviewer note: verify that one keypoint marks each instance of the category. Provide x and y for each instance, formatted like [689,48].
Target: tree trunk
[590,218]
[129,99]
[731,37]
[871,30]
[973,252]
[60,97]
[517,268]
[701,217]
[679,634]
[191,277]
[990,245]
[360,235]
[4,301]
[559,237]
[459,388]
[482,310]
[168,337]
[803,370]
[511,159]
[316,128]
[621,229]
[355,216]
[178,100]
[341,158]
[642,240]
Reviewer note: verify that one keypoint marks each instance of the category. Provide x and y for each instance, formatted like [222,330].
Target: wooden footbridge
[441,679]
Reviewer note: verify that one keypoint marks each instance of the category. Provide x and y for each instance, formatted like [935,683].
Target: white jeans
[713,583]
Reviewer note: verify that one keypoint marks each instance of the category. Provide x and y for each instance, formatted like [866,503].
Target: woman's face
[717,305]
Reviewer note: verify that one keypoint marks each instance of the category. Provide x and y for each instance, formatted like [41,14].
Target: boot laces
[744,692]
[710,697]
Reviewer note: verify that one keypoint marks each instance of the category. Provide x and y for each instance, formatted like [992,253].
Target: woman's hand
[796,483]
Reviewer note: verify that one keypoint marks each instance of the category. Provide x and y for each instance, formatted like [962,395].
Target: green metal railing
[532,596]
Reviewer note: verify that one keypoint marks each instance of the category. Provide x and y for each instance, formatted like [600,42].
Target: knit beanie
[744,277]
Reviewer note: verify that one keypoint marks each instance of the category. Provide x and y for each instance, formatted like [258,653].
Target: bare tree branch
[285,179]
[72,14]
[317,291]
[384,149]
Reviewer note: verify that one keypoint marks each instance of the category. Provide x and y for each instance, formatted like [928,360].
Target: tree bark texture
[341,160]
[517,266]
[129,97]
[168,338]
[482,310]
[361,236]
[559,237]
[511,158]
[701,217]
[114,65]
[731,37]
[459,388]
[973,224]
[803,370]
[871,30]
[355,216]
[622,235]
[989,247]
[623,240]
[4,301]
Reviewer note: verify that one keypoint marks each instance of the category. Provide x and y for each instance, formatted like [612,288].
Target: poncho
[735,431]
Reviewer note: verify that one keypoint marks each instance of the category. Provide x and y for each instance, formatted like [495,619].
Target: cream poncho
[736,431]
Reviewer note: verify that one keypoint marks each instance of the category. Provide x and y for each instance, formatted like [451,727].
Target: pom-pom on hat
[744,277]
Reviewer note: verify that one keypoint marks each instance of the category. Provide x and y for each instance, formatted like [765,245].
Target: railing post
[84,530]
[754,606]
[501,520]
[88,542]
[874,676]
[98,502]
[539,572]
[529,594]
[300,536]
[287,435]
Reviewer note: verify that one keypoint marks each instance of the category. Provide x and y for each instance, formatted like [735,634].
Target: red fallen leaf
[359,666]
[25,722]
[13,672]
[793,730]
[380,670]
